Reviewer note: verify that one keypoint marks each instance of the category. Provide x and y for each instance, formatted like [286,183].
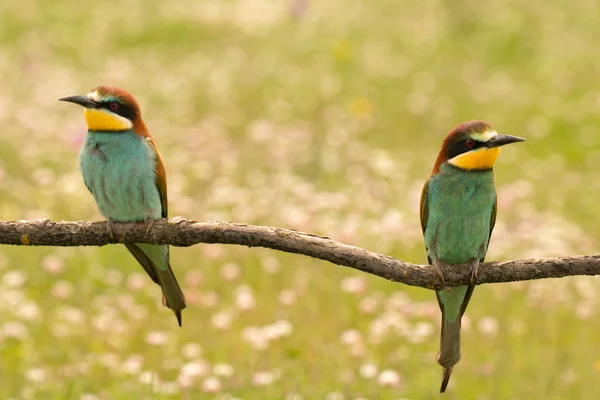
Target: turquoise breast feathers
[118,168]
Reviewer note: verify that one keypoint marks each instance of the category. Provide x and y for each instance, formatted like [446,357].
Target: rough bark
[183,232]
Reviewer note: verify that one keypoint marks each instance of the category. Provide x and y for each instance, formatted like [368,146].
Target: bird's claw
[149,224]
[474,273]
[439,271]
[109,227]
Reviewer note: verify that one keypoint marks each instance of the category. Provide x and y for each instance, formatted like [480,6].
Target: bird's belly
[124,187]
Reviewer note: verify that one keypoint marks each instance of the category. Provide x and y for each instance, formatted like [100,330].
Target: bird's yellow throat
[482,158]
[101,120]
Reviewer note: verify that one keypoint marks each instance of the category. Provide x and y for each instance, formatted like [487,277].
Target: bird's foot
[109,227]
[439,271]
[149,224]
[474,271]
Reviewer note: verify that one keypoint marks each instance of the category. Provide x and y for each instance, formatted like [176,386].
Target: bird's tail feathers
[445,378]
[173,296]
[155,260]
[449,354]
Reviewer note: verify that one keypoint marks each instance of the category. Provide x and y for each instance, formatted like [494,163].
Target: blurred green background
[321,116]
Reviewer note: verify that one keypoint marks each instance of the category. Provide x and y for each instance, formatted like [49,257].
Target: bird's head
[472,145]
[108,109]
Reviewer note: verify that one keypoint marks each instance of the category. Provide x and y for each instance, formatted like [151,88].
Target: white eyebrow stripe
[94,96]
[484,137]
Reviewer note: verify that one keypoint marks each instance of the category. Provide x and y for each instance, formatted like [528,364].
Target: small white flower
[368,370]
[368,305]
[14,279]
[157,338]
[230,271]
[62,289]
[270,265]
[244,298]
[284,327]
[209,299]
[132,365]
[136,281]
[36,374]
[146,377]
[421,331]
[71,314]
[357,350]
[185,381]
[584,310]
[256,337]
[388,377]
[287,297]
[488,326]
[53,264]
[113,277]
[14,330]
[221,320]
[211,385]
[88,396]
[223,369]
[271,332]
[191,350]
[29,311]
[354,284]
[195,368]
[167,387]
[193,278]
[263,378]
[350,337]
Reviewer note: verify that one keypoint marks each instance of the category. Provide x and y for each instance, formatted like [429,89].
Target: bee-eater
[123,170]
[458,213]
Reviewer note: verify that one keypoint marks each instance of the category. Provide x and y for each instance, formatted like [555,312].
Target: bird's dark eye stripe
[461,146]
[123,110]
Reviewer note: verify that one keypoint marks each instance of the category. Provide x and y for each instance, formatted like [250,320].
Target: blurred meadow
[321,116]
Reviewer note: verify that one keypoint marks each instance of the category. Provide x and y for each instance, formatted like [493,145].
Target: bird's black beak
[81,100]
[501,140]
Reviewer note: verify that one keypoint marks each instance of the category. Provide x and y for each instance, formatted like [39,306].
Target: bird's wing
[493,217]
[87,185]
[161,179]
[145,259]
[492,222]
[425,210]
[424,206]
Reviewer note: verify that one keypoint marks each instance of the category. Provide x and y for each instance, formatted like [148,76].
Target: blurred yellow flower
[360,108]
[342,51]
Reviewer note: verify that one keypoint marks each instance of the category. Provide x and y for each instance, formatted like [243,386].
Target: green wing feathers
[424,206]
[161,180]
[492,222]
[424,212]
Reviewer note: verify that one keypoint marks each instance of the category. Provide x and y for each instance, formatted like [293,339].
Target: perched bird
[123,170]
[458,213]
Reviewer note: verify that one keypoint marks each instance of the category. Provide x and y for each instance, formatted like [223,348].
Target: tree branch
[183,232]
